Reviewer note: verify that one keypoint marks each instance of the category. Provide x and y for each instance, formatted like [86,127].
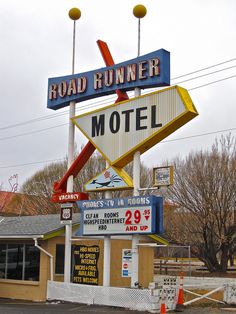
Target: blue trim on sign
[159,215]
[117,202]
[163,79]
[155,202]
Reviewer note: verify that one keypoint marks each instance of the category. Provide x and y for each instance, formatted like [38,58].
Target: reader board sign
[122,216]
[150,70]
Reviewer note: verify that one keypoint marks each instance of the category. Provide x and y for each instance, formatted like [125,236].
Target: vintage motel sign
[121,129]
[111,178]
[132,215]
[150,70]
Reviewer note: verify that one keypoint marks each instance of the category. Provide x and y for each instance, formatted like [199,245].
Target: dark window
[14,261]
[19,261]
[32,258]
[2,260]
[60,256]
[60,259]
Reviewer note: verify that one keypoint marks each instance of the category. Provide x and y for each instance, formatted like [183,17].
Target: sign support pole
[74,14]
[108,194]
[139,12]
[107,250]
[107,261]
[135,238]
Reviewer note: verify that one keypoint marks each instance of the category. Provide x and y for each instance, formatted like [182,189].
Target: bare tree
[41,183]
[204,189]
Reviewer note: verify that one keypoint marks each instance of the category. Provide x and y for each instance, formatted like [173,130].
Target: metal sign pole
[107,239]
[74,14]
[139,12]
[107,250]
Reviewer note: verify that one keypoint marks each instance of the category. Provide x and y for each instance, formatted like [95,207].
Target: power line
[200,76]
[198,135]
[203,69]
[98,102]
[32,163]
[213,82]
[56,115]
[162,142]
[63,124]
[102,101]
[32,132]
[33,120]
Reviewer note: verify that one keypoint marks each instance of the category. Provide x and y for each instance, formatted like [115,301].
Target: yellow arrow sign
[121,129]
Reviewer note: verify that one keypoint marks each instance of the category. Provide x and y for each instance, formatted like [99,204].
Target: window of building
[2,260]
[60,256]
[32,261]
[19,261]
[14,261]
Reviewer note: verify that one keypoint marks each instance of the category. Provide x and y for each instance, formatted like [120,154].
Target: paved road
[18,307]
[201,310]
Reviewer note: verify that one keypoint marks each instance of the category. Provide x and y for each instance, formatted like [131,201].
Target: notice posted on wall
[86,264]
[126,263]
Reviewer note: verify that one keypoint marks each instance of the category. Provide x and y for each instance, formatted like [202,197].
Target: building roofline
[30,236]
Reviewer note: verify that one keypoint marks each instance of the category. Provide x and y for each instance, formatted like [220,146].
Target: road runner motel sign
[121,129]
[132,215]
[150,70]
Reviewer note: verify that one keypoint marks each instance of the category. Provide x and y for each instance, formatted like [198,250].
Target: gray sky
[36,43]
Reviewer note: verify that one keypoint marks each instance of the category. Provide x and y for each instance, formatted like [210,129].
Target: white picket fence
[163,289]
[134,299]
[210,284]
[230,294]
[198,282]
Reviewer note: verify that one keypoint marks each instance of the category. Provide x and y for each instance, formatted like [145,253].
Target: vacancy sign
[121,129]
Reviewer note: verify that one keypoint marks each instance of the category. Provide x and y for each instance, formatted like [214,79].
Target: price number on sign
[132,217]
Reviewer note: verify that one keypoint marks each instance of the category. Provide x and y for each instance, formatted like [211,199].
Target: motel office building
[32,252]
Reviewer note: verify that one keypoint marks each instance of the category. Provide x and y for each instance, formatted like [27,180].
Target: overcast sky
[36,43]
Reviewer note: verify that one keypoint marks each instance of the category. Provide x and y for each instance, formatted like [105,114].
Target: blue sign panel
[150,70]
[132,215]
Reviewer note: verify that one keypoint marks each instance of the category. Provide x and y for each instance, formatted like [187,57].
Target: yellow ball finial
[74,14]
[139,11]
